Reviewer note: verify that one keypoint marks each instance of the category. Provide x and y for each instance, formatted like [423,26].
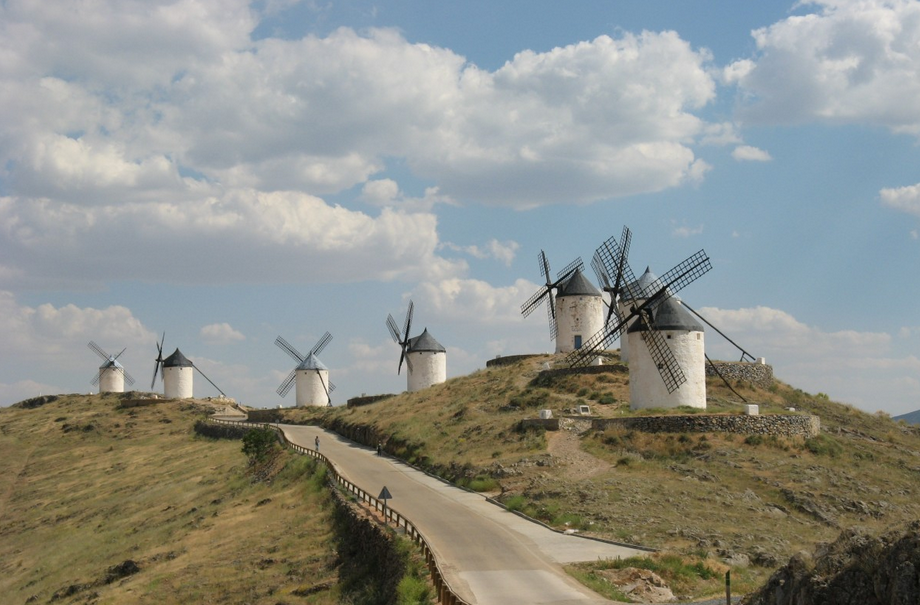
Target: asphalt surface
[488,555]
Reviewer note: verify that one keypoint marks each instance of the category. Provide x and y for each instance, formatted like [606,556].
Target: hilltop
[747,501]
[91,483]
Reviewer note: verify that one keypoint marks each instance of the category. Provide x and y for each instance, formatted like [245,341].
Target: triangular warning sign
[384,494]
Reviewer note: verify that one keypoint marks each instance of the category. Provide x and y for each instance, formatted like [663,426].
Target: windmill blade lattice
[158,363]
[289,349]
[287,383]
[402,338]
[110,358]
[285,387]
[611,280]
[610,256]
[546,291]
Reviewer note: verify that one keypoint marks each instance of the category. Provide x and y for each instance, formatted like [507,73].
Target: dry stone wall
[799,425]
[757,374]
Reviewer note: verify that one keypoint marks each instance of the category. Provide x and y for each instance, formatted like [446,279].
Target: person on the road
[379,448]
[316,441]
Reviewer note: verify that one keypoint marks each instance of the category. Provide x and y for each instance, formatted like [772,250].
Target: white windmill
[111,376]
[425,357]
[575,313]
[310,375]
[667,358]
[177,374]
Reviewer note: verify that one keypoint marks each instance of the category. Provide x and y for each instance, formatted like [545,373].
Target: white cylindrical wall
[647,389]
[177,382]
[310,389]
[111,380]
[427,368]
[624,340]
[577,316]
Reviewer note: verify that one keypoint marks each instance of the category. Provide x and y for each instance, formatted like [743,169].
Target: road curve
[488,555]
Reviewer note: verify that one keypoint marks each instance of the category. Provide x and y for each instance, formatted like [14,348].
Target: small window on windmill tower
[578,341]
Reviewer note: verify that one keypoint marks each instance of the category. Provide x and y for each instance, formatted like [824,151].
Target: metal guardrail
[445,593]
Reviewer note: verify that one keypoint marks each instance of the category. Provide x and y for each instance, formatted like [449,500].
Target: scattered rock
[122,570]
[641,585]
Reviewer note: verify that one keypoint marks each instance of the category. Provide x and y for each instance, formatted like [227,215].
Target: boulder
[855,569]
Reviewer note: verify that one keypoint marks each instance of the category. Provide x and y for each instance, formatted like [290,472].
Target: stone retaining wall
[800,425]
[757,374]
[366,400]
[508,360]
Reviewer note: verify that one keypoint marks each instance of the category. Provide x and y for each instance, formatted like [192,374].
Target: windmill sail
[612,258]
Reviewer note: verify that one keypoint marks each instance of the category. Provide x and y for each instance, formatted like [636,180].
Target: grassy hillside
[105,503]
[713,496]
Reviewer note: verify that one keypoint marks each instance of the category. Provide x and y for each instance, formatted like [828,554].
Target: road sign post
[384,495]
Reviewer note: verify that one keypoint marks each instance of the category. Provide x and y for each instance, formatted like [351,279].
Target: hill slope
[727,497]
[105,503]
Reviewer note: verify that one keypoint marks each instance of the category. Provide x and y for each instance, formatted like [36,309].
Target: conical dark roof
[578,285]
[425,342]
[312,362]
[670,315]
[111,362]
[177,360]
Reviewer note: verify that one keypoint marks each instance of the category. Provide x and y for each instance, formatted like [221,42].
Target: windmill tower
[111,376]
[576,311]
[310,376]
[579,312]
[685,338]
[177,374]
[647,338]
[626,301]
[425,357]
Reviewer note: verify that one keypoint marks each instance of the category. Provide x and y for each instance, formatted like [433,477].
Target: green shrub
[515,503]
[823,445]
[483,483]
[259,444]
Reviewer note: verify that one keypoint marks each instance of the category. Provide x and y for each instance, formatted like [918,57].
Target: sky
[228,171]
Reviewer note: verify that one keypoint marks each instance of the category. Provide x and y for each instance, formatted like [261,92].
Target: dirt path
[565,447]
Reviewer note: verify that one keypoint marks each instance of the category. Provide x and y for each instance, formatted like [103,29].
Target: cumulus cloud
[905,199]
[503,252]
[750,154]
[220,333]
[386,193]
[473,300]
[850,365]
[49,332]
[244,236]
[851,62]
[42,344]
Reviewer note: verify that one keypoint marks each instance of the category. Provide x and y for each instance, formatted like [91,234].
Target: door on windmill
[578,341]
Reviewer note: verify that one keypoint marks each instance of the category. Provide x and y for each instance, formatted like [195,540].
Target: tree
[259,444]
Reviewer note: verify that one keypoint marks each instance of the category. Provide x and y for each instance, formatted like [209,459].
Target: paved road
[488,555]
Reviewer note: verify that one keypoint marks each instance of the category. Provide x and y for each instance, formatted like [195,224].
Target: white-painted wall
[111,380]
[624,340]
[310,389]
[647,389]
[177,382]
[427,368]
[577,316]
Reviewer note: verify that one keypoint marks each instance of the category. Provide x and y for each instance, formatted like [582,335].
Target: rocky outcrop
[855,569]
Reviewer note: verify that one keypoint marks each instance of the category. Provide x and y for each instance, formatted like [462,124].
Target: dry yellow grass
[711,495]
[86,486]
